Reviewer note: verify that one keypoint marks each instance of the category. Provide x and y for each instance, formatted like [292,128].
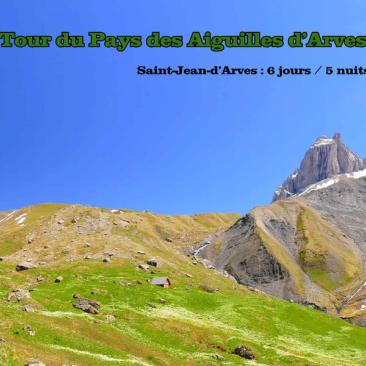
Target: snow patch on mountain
[322,141]
[330,181]
[7,217]
[20,219]
[327,158]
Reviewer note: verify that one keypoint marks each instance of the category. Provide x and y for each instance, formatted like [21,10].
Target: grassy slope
[325,256]
[103,229]
[188,329]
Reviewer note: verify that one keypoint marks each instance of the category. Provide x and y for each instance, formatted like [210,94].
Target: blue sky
[79,126]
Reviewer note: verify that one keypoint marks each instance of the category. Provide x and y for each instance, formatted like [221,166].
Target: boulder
[23,267]
[18,295]
[28,308]
[144,267]
[88,306]
[59,279]
[152,262]
[33,362]
[244,352]
[28,329]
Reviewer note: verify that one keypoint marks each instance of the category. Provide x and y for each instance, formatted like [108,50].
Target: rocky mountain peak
[325,158]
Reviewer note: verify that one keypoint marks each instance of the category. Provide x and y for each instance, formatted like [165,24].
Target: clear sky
[79,126]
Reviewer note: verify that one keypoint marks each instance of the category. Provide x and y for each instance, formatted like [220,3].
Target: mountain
[76,289]
[78,283]
[309,248]
[325,158]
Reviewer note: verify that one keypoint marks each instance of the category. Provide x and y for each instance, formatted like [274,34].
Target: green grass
[8,247]
[187,330]
[323,252]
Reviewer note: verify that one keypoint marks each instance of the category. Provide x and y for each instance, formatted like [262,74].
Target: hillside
[199,320]
[310,247]
[45,234]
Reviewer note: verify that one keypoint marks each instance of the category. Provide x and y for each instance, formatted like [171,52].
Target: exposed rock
[313,306]
[244,352]
[189,275]
[144,267]
[23,267]
[244,257]
[325,158]
[18,295]
[152,262]
[218,357]
[30,238]
[34,362]
[28,308]
[59,279]
[40,278]
[106,259]
[88,306]
[28,329]
[110,318]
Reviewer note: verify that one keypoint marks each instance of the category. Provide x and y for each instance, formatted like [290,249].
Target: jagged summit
[326,158]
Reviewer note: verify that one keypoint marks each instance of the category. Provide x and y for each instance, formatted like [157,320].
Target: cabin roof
[160,281]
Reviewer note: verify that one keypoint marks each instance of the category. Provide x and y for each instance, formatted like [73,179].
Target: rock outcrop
[325,158]
[311,247]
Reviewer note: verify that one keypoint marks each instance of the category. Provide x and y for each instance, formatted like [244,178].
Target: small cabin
[161,281]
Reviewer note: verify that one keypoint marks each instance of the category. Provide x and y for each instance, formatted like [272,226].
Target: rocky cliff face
[311,247]
[325,158]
